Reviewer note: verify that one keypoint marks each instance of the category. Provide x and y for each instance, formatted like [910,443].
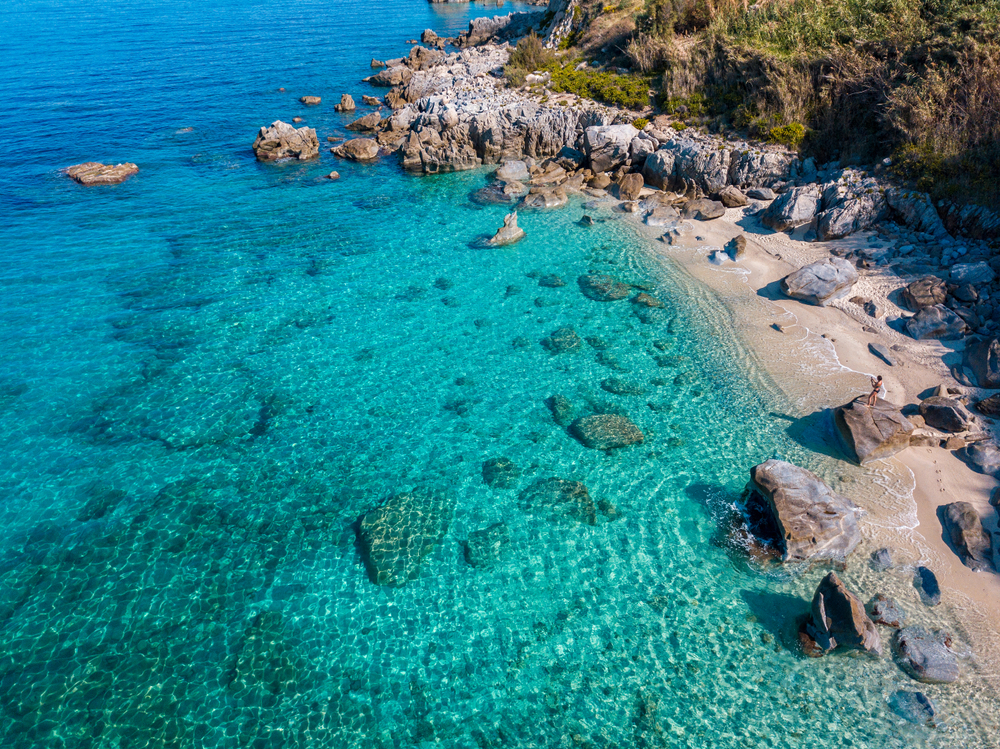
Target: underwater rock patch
[500,473]
[559,499]
[603,288]
[606,431]
[485,546]
[396,536]
[562,341]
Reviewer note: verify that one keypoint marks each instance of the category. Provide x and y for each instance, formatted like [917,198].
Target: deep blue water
[212,370]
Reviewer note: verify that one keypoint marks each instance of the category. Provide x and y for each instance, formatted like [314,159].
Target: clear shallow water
[212,370]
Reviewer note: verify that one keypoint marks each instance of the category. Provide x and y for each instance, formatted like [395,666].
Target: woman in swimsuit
[876,387]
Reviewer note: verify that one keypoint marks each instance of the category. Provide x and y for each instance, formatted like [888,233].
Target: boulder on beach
[964,529]
[346,104]
[704,209]
[936,322]
[630,186]
[606,431]
[357,149]
[794,208]
[838,620]
[925,656]
[983,457]
[395,537]
[982,357]
[94,173]
[872,432]
[821,282]
[282,141]
[731,197]
[310,101]
[662,215]
[761,193]
[509,233]
[945,414]
[973,273]
[559,499]
[793,510]
[603,288]
[607,146]
[925,292]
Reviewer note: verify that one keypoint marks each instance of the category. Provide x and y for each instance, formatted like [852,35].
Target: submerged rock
[606,431]
[562,409]
[915,707]
[282,141]
[839,620]
[965,530]
[872,432]
[500,473]
[617,386]
[927,584]
[602,288]
[396,537]
[881,560]
[800,515]
[94,173]
[562,341]
[924,656]
[884,610]
[485,546]
[559,499]
[509,233]
[821,282]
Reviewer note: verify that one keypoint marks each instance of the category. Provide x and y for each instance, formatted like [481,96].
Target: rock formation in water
[838,620]
[509,233]
[606,431]
[925,655]
[282,141]
[95,173]
[357,149]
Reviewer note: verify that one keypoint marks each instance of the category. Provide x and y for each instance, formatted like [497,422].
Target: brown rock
[630,186]
[370,100]
[310,101]
[839,620]
[600,182]
[333,175]
[94,173]
[926,292]
[368,123]
[357,149]
[871,433]
[731,197]
[346,104]
[296,119]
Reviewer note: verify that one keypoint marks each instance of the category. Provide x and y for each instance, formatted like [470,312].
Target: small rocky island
[94,173]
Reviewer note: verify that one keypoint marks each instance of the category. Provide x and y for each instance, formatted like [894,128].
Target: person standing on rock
[877,389]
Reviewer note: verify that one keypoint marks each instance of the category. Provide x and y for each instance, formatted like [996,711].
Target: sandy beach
[819,359]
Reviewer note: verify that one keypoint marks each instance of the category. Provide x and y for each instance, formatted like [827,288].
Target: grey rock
[662,215]
[500,473]
[509,233]
[965,530]
[883,610]
[872,433]
[607,146]
[606,431]
[915,210]
[882,352]
[984,457]
[936,322]
[603,288]
[924,656]
[989,406]
[761,193]
[807,519]
[731,197]
[704,209]
[562,341]
[398,75]
[945,414]
[758,168]
[881,560]
[562,409]
[851,216]
[821,282]
[915,707]
[282,141]
[552,197]
[839,620]
[485,547]
[511,171]
[925,292]
[927,584]
[796,207]
[973,273]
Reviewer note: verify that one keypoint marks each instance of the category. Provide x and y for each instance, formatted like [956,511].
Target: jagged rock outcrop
[970,220]
[94,173]
[946,414]
[982,357]
[606,431]
[793,510]
[395,537]
[883,610]
[964,528]
[513,171]
[346,104]
[925,656]
[821,282]
[794,208]
[838,620]
[925,292]
[357,149]
[434,152]
[283,141]
[872,432]
[607,146]
[936,322]
[849,206]
[509,233]
[916,210]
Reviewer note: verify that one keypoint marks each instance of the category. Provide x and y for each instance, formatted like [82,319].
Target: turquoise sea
[211,371]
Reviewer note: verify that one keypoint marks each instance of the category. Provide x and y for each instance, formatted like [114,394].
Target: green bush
[679,126]
[639,123]
[788,135]
[625,91]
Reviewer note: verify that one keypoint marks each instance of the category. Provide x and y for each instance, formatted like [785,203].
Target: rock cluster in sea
[283,141]
[95,173]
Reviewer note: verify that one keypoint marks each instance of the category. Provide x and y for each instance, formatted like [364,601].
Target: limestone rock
[563,340]
[513,171]
[603,288]
[630,186]
[399,75]
[662,215]
[310,101]
[917,211]
[367,123]
[883,610]
[282,141]
[704,209]
[925,292]
[485,546]
[95,173]
[357,149]
[982,357]
[924,656]
[839,620]
[607,146]
[395,537]
[793,509]
[821,282]
[936,322]
[500,473]
[945,414]
[559,499]
[796,207]
[871,433]
[509,233]
[965,530]
[606,431]
[347,104]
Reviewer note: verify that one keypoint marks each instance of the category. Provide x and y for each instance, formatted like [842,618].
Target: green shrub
[679,126]
[788,135]
[639,123]
[625,91]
